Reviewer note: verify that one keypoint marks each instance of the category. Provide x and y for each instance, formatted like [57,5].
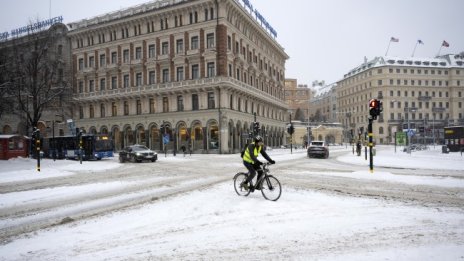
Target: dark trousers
[252,168]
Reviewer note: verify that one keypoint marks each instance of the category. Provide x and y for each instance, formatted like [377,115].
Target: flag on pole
[420,41]
[395,40]
[445,44]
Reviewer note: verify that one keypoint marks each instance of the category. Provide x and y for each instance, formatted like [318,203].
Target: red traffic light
[373,103]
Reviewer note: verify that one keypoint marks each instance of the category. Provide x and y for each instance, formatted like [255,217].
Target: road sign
[166,139]
[410,132]
[400,138]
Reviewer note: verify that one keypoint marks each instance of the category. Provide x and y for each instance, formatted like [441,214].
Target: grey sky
[324,38]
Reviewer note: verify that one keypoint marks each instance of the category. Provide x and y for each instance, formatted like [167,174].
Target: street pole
[409,128]
[371,158]
[54,141]
[291,136]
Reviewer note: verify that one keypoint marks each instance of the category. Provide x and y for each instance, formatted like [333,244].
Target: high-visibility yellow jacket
[255,151]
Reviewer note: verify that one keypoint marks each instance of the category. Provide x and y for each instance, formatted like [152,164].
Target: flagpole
[414,49]
[439,50]
[389,42]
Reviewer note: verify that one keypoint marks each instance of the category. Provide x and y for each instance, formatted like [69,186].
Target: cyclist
[251,161]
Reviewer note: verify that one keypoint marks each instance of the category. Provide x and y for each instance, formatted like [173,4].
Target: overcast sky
[324,39]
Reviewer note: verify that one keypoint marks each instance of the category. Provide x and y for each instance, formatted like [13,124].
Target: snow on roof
[443,61]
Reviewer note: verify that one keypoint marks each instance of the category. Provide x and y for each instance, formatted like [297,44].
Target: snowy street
[185,208]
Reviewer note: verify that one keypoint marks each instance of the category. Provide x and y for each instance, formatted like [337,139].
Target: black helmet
[258,138]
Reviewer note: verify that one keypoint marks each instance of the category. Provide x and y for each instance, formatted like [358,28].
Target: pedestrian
[183,149]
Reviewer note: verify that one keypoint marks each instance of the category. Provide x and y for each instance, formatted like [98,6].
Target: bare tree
[299,115]
[34,72]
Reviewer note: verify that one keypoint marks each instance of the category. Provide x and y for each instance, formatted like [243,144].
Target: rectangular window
[126,81]
[138,53]
[211,100]
[152,105]
[165,75]
[126,108]
[180,73]
[102,84]
[125,56]
[210,40]
[180,103]
[151,51]
[151,77]
[195,71]
[114,82]
[91,86]
[195,106]
[102,60]
[114,109]
[179,46]
[91,61]
[165,104]
[139,107]
[102,110]
[114,57]
[164,48]
[81,64]
[194,43]
[210,69]
[138,79]
[81,86]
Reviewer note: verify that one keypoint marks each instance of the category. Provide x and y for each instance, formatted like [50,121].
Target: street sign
[400,138]
[166,139]
[410,132]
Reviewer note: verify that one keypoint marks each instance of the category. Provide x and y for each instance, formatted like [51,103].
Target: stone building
[427,93]
[297,96]
[195,72]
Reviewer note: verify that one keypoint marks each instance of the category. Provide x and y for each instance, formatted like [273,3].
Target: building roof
[443,62]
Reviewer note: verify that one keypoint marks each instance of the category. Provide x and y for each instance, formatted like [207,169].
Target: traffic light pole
[371,158]
[291,135]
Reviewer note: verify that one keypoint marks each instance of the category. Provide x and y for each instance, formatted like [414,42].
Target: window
[179,46]
[102,60]
[81,112]
[91,61]
[114,82]
[102,84]
[180,73]
[180,103]
[229,43]
[126,81]
[125,56]
[102,110]
[81,86]
[138,53]
[81,64]
[164,48]
[211,100]
[91,86]
[152,105]
[165,75]
[195,106]
[195,71]
[210,40]
[126,108]
[139,107]
[91,112]
[114,57]
[165,104]
[151,51]
[151,77]
[194,43]
[138,79]
[210,69]
[114,109]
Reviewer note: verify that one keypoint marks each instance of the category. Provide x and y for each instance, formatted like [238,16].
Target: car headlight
[138,154]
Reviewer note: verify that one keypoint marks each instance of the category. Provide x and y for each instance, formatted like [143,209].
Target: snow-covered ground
[212,222]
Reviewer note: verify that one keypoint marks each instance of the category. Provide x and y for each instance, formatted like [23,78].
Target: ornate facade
[195,72]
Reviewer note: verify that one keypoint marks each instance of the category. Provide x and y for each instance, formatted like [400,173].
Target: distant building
[297,96]
[193,71]
[323,105]
[427,92]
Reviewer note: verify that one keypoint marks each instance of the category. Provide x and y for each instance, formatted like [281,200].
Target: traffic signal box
[375,108]
[291,129]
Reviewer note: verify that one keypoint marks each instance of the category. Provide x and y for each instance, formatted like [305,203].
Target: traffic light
[375,108]
[256,127]
[291,129]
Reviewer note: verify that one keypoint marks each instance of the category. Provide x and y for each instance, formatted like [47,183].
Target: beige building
[195,70]
[427,93]
[323,105]
[297,96]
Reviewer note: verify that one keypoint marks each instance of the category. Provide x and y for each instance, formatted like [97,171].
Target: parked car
[137,153]
[318,149]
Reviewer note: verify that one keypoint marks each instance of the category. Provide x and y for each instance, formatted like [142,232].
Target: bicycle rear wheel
[238,179]
[271,188]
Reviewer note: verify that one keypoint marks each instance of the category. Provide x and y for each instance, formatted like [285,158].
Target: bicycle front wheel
[271,188]
[238,179]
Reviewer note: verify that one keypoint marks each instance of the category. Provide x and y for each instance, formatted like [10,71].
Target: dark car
[318,149]
[137,153]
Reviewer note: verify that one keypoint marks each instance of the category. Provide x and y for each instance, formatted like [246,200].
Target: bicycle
[270,186]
